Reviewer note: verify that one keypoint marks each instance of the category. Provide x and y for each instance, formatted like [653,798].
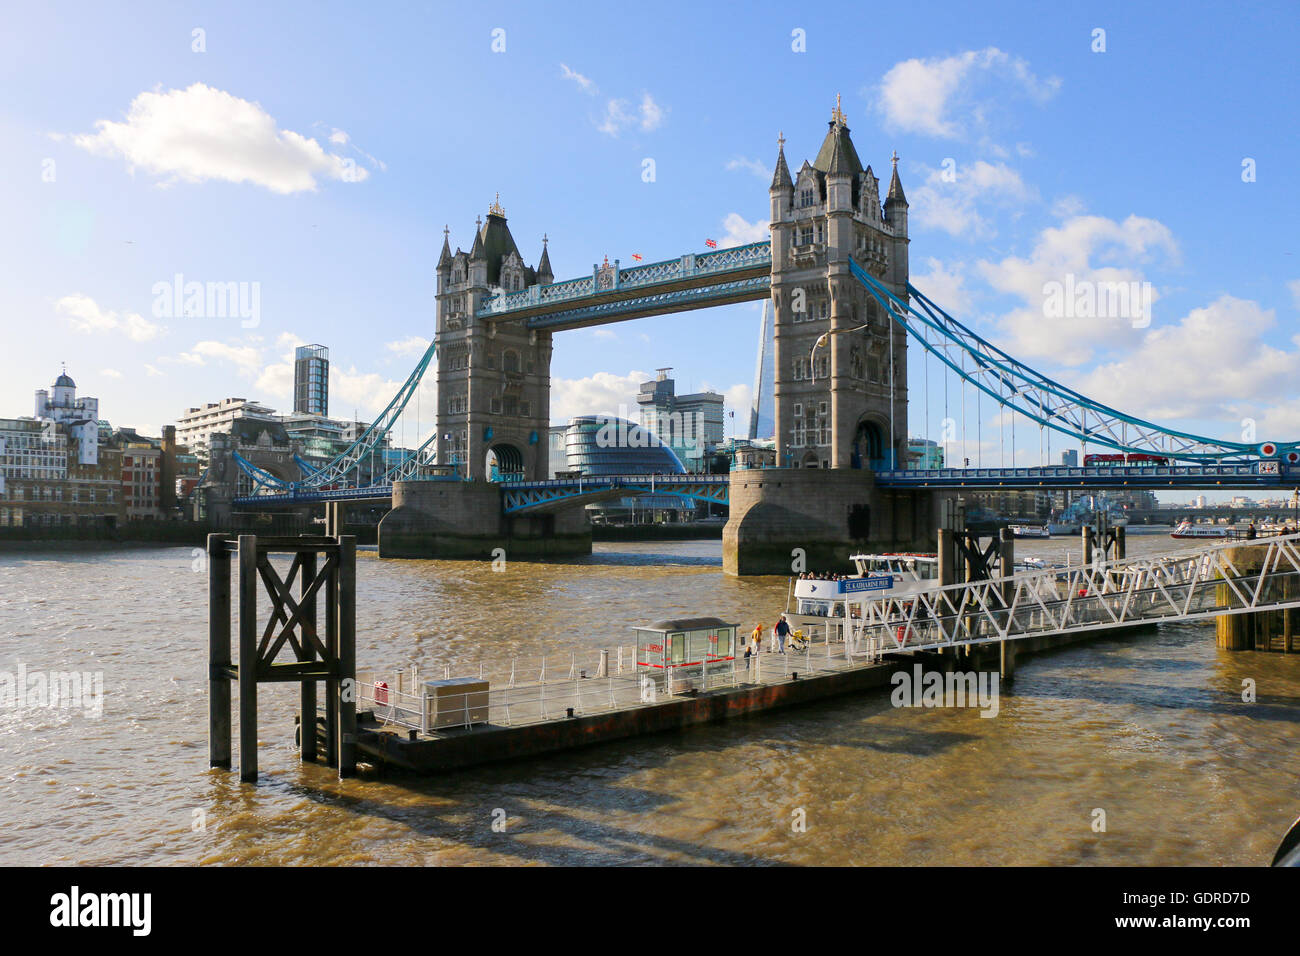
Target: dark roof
[246,431]
[837,153]
[64,380]
[544,264]
[494,243]
[895,189]
[689,624]
[781,178]
[444,260]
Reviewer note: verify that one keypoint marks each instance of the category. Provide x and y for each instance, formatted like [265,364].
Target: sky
[312,154]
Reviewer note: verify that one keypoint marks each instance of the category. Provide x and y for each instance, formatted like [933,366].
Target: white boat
[1030,531]
[1186,529]
[814,600]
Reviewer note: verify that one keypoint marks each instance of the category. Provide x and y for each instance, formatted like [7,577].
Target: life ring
[381,692]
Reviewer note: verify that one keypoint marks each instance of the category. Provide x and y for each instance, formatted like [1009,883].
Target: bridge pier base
[787,520]
[464,520]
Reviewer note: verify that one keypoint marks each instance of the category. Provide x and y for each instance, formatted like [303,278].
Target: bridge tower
[840,382]
[494,377]
[843,403]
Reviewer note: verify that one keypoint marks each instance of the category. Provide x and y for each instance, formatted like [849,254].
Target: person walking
[755,642]
[782,631]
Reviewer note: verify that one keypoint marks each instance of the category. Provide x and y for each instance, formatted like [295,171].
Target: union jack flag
[636,257]
[711,243]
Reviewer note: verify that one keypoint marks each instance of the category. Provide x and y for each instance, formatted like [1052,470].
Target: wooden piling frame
[292,621]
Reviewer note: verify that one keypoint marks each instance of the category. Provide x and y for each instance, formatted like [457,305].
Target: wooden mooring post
[318,563]
[1267,630]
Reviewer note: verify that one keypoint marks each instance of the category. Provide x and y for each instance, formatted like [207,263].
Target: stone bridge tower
[844,403]
[494,377]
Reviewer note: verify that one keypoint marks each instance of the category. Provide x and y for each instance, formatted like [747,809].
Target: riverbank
[102,539]
[657,532]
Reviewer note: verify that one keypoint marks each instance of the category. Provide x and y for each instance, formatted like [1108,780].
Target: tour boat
[1186,529]
[1029,531]
[814,600]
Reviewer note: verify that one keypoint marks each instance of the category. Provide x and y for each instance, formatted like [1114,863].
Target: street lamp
[822,340]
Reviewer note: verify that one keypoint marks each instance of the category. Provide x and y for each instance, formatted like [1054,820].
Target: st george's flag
[636,257]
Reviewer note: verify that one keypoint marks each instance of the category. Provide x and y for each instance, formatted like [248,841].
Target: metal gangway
[1229,578]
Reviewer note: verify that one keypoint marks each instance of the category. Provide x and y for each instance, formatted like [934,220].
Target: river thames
[1151,729]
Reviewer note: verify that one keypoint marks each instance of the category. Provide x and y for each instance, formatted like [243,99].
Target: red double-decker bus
[1137,458]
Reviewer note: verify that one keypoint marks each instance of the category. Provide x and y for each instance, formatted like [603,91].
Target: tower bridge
[836,271]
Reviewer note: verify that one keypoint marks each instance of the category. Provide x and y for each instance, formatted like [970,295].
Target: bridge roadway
[552,494]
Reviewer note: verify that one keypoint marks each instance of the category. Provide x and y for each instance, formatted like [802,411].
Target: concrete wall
[463,519]
[829,514]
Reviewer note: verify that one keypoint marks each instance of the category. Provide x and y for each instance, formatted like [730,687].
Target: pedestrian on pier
[755,642]
[782,631]
[1250,531]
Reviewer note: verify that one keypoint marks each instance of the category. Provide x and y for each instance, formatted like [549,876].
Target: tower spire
[781,177]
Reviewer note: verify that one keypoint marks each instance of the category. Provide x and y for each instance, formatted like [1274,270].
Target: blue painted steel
[696,298]
[694,264]
[1038,397]
[519,496]
[1192,477]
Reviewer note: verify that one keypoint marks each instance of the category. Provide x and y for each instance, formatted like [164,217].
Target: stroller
[797,641]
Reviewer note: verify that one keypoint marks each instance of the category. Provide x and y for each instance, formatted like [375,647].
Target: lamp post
[822,340]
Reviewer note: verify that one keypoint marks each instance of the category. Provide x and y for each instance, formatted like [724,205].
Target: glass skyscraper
[311,380]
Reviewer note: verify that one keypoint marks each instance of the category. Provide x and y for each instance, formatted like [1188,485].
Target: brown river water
[1151,729]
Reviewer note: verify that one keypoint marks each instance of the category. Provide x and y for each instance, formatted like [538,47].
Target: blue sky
[364,131]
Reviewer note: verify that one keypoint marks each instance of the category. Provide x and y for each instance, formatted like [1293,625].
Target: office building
[311,379]
[691,425]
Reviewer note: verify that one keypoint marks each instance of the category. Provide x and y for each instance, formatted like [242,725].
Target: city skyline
[325,219]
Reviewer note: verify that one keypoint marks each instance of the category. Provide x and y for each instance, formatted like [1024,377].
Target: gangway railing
[1185,586]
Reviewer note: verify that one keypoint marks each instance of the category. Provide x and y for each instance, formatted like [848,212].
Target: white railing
[1117,593]
[577,683]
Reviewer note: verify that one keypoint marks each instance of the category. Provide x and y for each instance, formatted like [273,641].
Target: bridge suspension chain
[1040,398]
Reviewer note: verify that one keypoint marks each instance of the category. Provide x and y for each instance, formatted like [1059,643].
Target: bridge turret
[896,202]
[782,191]
[444,260]
[544,274]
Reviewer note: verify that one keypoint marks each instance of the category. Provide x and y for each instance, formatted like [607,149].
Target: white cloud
[652,114]
[941,97]
[1211,364]
[151,369]
[604,333]
[1082,249]
[87,316]
[245,357]
[1294,286]
[339,138]
[200,133]
[110,373]
[585,83]
[953,206]
[741,232]
[600,394]
[944,286]
[620,115]
[413,345]
[759,168]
